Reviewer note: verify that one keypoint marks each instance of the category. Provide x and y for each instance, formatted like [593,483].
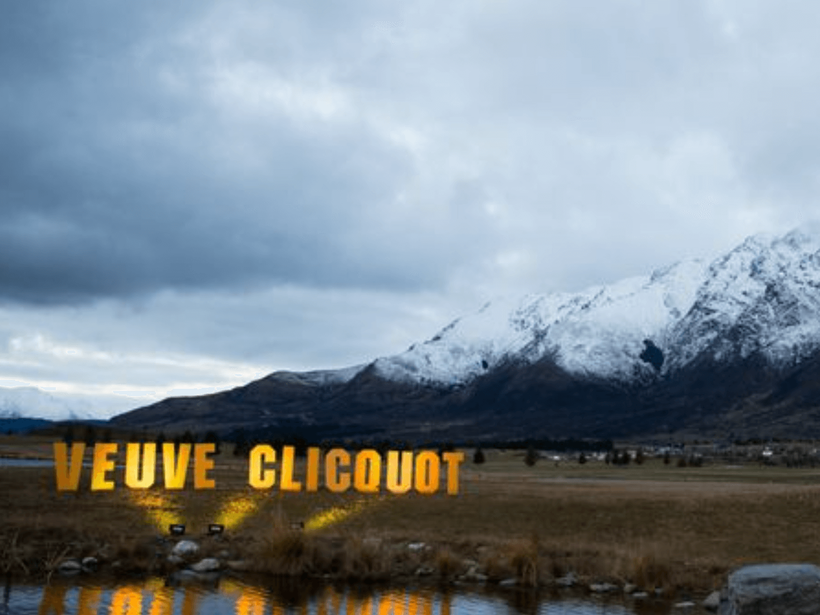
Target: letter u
[399,479]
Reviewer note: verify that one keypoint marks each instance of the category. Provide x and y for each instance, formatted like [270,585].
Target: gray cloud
[347,179]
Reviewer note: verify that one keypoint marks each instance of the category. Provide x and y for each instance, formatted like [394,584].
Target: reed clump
[288,552]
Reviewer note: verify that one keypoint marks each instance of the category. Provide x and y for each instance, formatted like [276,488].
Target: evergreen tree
[241,446]
[213,437]
[478,456]
[90,436]
[531,457]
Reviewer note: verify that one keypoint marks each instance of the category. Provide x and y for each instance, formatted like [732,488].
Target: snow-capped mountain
[597,332]
[31,402]
[763,296]
[732,345]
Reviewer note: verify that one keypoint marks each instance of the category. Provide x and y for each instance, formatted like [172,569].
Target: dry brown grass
[653,526]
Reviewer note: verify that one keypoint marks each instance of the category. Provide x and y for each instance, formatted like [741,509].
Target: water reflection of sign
[366,471]
[155,599]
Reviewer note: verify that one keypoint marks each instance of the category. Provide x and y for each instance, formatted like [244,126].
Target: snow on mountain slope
[763,296]
[30,402]
[599,331]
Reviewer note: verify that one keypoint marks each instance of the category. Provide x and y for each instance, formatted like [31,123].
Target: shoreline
[374,566]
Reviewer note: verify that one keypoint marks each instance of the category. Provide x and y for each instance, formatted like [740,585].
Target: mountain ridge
[641,355]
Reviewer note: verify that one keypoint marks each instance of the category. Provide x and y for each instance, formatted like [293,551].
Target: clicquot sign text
[365,471]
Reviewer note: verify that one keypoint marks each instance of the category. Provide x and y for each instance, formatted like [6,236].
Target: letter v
[175,467]
[68,473]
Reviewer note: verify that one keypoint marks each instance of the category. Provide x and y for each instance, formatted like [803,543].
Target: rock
[424,571]
[508,583]
[185,549]
[185,576]
[175,560]
[90,564]
[630,588]
[640,596]
[772,589]
[69,566]
[712,601]
[473,576]
[602,588]
[238,565]
[416,546]
[209,564]
[182,577]
[568,580]
[188,577]
[684,607]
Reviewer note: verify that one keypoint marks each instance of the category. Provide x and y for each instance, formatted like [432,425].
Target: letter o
[428,472]
[368,471]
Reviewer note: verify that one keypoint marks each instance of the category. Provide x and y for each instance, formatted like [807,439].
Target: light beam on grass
[236,510]
[336,514]
[157,508]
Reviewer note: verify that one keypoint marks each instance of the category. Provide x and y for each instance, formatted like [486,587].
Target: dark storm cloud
[375,146]
[136,155]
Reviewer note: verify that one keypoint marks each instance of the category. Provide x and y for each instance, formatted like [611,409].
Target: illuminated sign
[365,471]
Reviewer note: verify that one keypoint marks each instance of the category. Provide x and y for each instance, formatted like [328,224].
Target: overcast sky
[196,194]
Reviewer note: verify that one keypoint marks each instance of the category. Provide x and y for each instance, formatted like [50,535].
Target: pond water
[14,462]
[234,597]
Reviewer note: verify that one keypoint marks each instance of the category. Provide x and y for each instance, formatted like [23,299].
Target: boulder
[209,564]
[185,549]
[603,588]
[473,575]
[772,589]
[712,602]
[70,566]
[175,560]
[568,580]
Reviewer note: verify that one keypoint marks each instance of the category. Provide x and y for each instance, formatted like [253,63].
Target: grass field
[653,525]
